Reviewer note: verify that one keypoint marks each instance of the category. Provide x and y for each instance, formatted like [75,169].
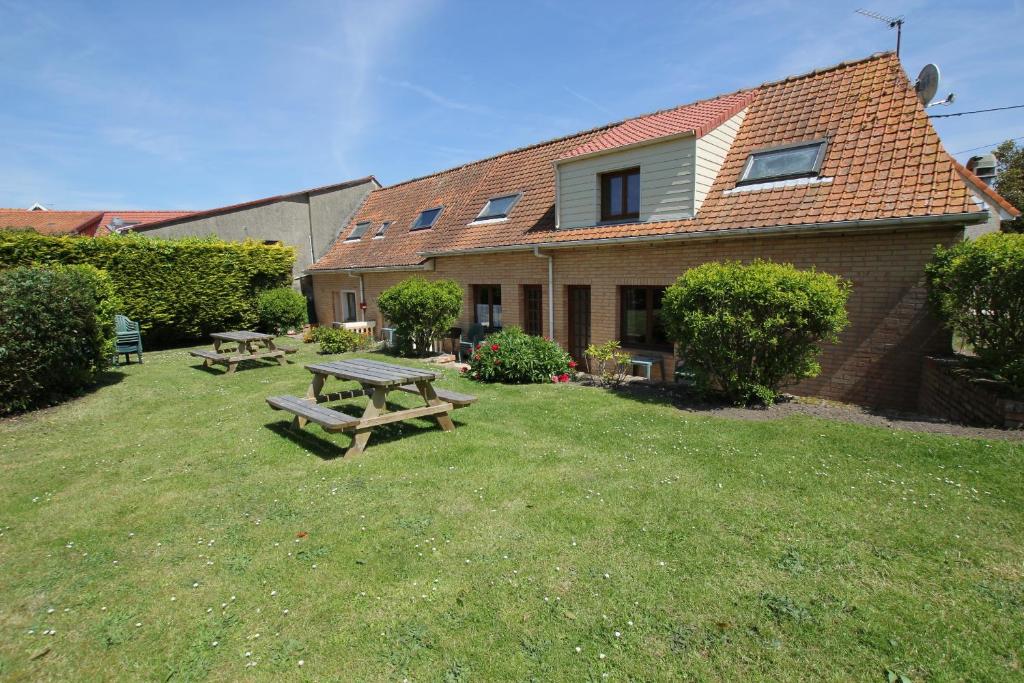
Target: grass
[560,533]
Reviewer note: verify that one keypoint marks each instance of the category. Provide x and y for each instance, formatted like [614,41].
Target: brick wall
[952,396]
[878,359]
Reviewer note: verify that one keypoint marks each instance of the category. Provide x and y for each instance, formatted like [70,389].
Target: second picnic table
[247,346]
[376,379]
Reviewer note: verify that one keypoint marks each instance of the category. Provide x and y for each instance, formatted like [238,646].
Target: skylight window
[796,160]
[426,219]
[383,227]
[358,231]
[498,207]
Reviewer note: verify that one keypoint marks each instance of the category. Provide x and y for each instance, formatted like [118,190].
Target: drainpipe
[551,289]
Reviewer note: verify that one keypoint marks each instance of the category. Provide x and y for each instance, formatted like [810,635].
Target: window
[797,160]
[383,227]
[487,306]
[640,318]
[358,231]
[533,306]
[620,195]
[272,243]
[426,219]
[498,207]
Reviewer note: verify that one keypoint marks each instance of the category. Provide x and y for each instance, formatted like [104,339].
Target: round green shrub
[420,311]
[338,340]
[746,330]
[280,310]
[52,341]
[514,357]
[977,288]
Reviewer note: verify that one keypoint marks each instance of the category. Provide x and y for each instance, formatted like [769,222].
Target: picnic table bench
[375,380]
[246,346]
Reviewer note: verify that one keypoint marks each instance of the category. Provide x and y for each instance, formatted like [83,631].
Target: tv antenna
[894,22]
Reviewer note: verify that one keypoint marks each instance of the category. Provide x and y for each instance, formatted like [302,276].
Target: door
[579,321]
[533,320]
[344,306]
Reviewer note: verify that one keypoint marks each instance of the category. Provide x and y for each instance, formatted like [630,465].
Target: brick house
[575,238]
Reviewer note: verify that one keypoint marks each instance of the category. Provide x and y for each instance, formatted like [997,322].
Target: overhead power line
[964,151]
[977,111]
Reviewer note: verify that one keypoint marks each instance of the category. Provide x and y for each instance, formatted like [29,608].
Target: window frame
[481,218]
[604,181]
[356,234]
[440,210]
[530,316]
[477,289]
[815,169]
[379,233]
[649,326]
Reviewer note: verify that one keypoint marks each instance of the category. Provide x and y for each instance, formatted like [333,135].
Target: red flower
[554,378]
[572,364]
[563,377]
[464,369]
[479,344]
[494,347]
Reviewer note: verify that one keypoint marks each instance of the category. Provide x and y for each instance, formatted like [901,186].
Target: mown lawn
[560,533]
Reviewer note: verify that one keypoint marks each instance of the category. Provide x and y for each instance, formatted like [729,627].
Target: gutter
[865,226]
[551,290]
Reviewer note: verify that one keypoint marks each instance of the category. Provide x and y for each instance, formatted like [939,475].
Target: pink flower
[464,370]
[554,378]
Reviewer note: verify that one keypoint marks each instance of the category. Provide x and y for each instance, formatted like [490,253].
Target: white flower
[215,643]
[601,656]
[301,662]
[618,634]
[579,649]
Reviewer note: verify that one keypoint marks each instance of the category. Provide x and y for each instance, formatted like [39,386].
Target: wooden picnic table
[376,379]
[246,346]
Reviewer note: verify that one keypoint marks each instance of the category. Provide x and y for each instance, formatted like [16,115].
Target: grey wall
[285,220]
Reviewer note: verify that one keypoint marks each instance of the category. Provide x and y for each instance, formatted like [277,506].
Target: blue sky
[184,105]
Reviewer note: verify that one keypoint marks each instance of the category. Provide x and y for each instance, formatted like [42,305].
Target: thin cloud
[433,96]
[583,98]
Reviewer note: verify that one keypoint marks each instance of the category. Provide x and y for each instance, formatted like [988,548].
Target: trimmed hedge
[977,288]
[55,334]
[177,289]
[280,310]
[745,330]
[514,357]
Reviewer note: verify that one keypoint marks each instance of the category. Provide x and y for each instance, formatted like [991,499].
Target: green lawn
[560,533]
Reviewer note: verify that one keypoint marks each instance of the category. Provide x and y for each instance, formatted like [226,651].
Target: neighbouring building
[576,238]
[78,223]
[309,220]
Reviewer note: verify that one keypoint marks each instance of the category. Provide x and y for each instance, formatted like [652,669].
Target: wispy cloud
[163,145]
[583,98]
[433,96]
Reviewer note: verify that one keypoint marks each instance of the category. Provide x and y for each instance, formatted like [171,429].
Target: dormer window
[358,231]
[620,195]
[382,229]
[796,160]
[427,218]
[498,208]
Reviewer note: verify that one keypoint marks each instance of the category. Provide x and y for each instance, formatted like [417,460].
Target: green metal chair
[474,336]
[129,339]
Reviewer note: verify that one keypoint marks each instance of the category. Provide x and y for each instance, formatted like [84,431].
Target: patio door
[345,306]
[579,321]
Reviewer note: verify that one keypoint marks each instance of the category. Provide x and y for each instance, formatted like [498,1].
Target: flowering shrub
[514,357]
[338,340]
[608,363]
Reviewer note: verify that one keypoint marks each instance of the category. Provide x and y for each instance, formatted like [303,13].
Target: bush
[420,311]
[608,362]
[53,339]
[977,288]
[177,289]
[108,305]
[338,340]
[280,310]
[514,357]
[748,329]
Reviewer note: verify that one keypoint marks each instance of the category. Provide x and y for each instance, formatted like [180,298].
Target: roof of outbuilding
[50,222]
[982,187]
[883,161]
[137,218]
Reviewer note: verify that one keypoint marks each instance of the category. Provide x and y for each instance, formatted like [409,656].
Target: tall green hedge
[177,289]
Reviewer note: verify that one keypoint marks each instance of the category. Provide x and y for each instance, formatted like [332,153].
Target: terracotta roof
[698,119]
[50,222]
[255,202]
[137,217]
[985,189]
[884,161]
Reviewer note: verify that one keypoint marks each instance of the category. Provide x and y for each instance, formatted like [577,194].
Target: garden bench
[248,346]
[375,380]
[647,363]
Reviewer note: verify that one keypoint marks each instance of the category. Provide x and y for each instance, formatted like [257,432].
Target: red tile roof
[50,222]
[884,159]
[698,119]
[136,217]
[985,189]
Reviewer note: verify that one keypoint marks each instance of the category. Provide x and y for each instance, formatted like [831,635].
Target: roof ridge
[613,124]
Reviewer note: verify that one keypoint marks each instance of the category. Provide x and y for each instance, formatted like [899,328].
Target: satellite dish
[927,83]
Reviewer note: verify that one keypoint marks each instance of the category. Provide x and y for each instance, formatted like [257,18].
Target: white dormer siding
[711,152]
[675,176]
